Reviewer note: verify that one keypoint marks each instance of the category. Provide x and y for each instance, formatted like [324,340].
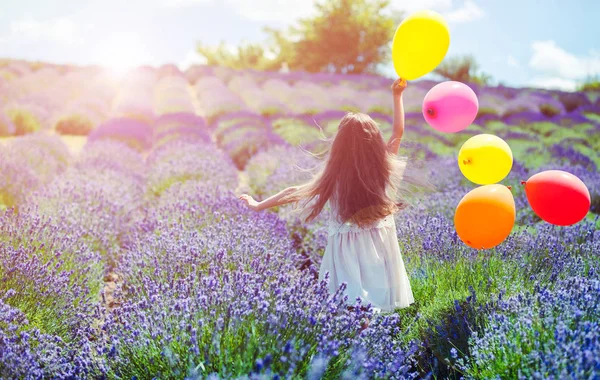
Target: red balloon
[558,197]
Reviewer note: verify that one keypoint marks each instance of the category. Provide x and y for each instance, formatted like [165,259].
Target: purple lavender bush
[180,161]
[551,332]
[27,352]
[491,104]
[217,293]
[570,157]
[223,122]
[47,155]
[215,99]
[112,156]
[180,126]
[240,120]
[47,272]
[16,180]
[28,162]
[170,71]
[247,144]
[135,133]
[573,100]
[26,118]
[300,132]
[171,95]
[571,119]
[277,168]
[272,170]
[7,128]
[79,123]
[176,120]
[103,203]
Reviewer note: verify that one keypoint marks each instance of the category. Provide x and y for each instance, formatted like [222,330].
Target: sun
[120,63]
[122,55]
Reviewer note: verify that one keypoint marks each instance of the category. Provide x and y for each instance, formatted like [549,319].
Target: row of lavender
[76,100]
[242,135]
[201,272]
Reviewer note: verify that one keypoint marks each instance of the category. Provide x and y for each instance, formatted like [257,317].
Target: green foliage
[24,121]
[462,69]
[246,56]
[74,125]
[44,244]
[590,84]
[348,36]
[296,133]
[549,110]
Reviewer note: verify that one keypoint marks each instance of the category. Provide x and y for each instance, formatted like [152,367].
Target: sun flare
[121,56]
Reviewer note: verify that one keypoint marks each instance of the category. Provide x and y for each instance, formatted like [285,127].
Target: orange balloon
[485,216]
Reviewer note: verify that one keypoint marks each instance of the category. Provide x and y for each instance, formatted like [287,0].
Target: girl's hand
[398,86]
[250,202]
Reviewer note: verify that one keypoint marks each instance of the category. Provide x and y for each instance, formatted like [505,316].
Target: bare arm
[272,201]
[398,127]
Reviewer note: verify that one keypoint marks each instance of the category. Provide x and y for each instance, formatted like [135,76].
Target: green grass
[593,116]
[231,136]
[160,187]
[43,305]
[443,282]
[543,130]
[297,134]
[494,127]
[436,284]
[592,153]
[475,129]
[223,126]
[579,131]
[521,151]
[439,148]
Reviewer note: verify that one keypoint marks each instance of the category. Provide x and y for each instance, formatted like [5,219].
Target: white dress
[369,261]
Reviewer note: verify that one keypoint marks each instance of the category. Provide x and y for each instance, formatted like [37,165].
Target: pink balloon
[450,106]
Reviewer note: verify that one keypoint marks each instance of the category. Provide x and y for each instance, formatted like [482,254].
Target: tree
[247,55]
[462,69]
[590,84]
[345,36]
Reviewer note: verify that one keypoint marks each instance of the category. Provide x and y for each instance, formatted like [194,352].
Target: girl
[359,182]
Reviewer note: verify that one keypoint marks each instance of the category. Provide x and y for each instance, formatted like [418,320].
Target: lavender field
[125,253]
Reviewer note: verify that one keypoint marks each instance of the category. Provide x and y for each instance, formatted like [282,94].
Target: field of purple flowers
[132,258]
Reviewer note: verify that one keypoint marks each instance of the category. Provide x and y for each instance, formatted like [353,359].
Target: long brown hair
[360,176]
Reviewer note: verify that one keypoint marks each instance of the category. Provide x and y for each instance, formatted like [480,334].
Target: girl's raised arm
[272,201]
[398,129]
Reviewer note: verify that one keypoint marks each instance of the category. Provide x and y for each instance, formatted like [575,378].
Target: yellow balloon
[420,44]
[485,159]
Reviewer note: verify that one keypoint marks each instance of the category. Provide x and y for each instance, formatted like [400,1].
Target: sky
[537,43]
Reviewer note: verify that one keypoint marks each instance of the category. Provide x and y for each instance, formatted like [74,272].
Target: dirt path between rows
[243,183]
[111,280]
